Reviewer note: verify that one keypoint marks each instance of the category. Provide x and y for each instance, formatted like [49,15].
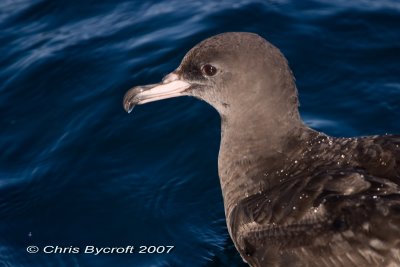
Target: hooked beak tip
[131,99]
[129,107]
[127,104]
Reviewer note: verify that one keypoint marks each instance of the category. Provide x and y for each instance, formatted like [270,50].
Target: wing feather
[329,216]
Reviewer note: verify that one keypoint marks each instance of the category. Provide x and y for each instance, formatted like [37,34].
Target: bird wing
[330,216]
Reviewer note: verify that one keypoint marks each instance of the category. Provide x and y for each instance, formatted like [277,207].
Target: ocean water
[76,170]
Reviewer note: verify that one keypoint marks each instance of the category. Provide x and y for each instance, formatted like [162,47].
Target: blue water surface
[77,170]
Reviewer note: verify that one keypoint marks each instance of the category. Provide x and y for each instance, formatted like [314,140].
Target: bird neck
[251,144]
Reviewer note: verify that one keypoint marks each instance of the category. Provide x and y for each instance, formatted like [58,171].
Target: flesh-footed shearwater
[292,196]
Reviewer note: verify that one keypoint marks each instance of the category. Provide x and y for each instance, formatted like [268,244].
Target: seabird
[293,196]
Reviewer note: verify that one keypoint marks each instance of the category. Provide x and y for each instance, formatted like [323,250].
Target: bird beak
[171,86]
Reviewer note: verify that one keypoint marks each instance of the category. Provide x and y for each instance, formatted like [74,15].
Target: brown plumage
[292,196]
[336,203]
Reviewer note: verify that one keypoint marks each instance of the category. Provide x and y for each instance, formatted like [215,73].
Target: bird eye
[209,70]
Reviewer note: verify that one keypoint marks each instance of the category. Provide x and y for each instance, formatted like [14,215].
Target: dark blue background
[76,170]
